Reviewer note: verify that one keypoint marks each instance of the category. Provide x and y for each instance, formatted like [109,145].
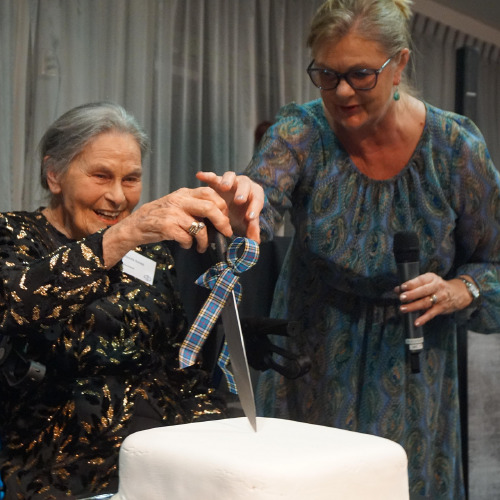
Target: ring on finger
[433,298]
[195,228]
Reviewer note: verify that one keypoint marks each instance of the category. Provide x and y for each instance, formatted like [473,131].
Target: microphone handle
[414,334]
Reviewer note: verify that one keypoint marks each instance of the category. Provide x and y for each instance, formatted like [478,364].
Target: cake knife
[236,344]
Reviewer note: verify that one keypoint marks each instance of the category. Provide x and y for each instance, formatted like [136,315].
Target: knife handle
[217,240]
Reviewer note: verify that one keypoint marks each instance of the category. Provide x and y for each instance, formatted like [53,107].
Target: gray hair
[66,138]
[383,21]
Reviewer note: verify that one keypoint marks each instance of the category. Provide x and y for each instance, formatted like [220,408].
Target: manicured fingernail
[239,197]
[251,215]
[403,297]
[403,308]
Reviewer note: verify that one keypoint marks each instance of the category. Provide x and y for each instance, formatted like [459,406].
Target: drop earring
[396,95]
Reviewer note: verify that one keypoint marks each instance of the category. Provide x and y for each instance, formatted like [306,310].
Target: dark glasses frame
[347,76]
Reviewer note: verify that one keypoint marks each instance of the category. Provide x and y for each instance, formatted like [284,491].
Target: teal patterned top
[339,274]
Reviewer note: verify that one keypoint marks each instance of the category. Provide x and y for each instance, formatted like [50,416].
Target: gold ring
[195,228]
[433,299]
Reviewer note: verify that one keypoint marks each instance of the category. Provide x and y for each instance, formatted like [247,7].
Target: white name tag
[139,266]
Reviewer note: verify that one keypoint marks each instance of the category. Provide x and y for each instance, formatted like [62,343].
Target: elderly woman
[366,161]
[87,292]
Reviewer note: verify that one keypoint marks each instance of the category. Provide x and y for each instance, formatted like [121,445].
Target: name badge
[139,267]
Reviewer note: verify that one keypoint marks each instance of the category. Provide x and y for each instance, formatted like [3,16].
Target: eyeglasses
[358,79]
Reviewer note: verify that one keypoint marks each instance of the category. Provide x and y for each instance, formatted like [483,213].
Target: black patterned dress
[109,343]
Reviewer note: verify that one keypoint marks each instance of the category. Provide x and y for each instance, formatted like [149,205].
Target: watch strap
[472,289]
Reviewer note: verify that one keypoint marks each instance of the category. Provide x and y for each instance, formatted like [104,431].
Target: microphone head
[406,247]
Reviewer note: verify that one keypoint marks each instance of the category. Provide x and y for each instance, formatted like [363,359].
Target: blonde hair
[405,7]
[383,21]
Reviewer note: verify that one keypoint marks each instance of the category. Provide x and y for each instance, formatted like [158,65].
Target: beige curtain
[434,52]
[198,74]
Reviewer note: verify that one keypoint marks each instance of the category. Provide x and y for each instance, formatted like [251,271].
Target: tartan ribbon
[221,279]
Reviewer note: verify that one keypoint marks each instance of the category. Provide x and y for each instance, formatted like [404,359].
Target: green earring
[396,94]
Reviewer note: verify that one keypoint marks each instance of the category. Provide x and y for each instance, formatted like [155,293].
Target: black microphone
[407,254]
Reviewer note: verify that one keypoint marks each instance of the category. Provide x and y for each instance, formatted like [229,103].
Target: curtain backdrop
[434,51]
[199,75]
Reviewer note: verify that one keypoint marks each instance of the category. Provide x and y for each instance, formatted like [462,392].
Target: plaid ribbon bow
[220,279]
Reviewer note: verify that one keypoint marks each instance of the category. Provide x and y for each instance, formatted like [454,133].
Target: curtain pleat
[436,46]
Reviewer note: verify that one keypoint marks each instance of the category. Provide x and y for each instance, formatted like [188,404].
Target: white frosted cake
[227,460]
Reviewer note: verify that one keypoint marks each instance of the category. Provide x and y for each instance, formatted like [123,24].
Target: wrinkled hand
[244,199]
[168,218]
[433,295]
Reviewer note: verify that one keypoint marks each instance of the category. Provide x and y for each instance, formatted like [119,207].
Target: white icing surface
[227,460]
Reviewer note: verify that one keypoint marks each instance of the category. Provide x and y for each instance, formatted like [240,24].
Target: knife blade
[236,344]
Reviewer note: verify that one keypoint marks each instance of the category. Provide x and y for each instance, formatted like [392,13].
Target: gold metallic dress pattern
[110,345]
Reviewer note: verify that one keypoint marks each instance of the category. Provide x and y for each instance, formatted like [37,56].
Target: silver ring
[195,228]
[433,299]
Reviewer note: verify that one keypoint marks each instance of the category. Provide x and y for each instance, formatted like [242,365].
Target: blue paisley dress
[339,275]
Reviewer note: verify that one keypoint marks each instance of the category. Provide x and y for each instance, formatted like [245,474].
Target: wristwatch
[472,288]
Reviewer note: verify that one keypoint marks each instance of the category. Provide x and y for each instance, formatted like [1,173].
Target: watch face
[473,289]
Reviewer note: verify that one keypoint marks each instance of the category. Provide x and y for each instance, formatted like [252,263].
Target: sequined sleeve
[41,287]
